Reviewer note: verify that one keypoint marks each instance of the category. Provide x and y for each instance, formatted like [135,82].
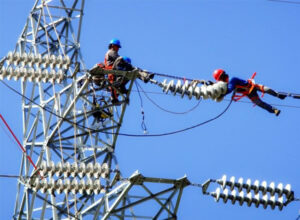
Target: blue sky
[191,39]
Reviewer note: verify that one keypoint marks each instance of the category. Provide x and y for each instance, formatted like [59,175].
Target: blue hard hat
[127,59]
[115,41]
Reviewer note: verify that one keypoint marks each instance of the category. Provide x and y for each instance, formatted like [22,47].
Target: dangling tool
[143,124]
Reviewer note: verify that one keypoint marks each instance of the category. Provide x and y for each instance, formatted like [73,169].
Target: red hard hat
[217,74]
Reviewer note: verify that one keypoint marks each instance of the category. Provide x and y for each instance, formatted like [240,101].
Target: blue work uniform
[238,84]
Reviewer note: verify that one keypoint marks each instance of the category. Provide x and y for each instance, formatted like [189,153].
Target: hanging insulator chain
[67,169]
[34,67]
[215,91]
[66,186]
[257,193]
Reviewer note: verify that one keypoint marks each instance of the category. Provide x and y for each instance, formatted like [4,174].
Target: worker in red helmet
[248,88]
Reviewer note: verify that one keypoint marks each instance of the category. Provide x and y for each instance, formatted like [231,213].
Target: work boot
[277,112]
[281,95]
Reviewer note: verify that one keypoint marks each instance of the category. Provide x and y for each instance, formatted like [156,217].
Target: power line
[122,134]
[171,76]
[185,129]
[248,102]
[9,176]
[283,1]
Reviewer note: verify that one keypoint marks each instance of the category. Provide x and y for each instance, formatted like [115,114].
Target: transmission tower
[69,169]
[76,172]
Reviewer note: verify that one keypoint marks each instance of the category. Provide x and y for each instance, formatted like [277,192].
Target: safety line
[16,139]
[166,110]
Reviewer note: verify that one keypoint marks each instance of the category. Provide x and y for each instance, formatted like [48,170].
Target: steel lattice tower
[69,169]
[78,173]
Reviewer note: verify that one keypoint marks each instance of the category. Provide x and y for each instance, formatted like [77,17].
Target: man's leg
[256,100]
[114,95]
[272,92]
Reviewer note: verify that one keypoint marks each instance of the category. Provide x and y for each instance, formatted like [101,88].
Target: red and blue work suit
[249,89]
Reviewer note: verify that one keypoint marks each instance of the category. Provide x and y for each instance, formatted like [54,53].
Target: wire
[282,1]
[182,130]
[171,76]
[248,102]
[123,134]
[163,109]
[9,176]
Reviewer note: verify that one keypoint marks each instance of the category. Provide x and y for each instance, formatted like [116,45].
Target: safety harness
[111,79]
[242,91]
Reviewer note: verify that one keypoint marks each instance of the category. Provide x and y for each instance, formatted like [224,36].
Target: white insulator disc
[3,73]
[81,186]
[97,187]
[43,167]
[74,186]
[59,60]
[18,73]
[197,92]
[12,73]
[58,169]
[89,186]
[74,169]
[67,186]
[97,170]
[10,56]
[89,169]
[59,186]
[37,185]
[51,186]
[178,87]
[24,57]
[44,186]
[46,75]
[52,59]
[30,74]
[67,169]
[105,170]
[46,60]
[81,170]
[203,92]
[17,58]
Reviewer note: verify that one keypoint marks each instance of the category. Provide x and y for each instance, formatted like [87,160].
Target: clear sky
[189,38]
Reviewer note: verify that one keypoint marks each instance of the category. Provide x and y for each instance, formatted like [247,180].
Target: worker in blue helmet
[112,53]
[124,63]
[109,60]
[127,59]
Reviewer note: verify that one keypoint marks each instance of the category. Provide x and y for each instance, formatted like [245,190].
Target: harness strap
[247,89]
